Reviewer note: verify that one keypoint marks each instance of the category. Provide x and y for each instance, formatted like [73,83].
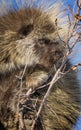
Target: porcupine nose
[55,52]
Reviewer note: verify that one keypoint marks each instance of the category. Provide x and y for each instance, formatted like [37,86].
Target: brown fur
[28,38]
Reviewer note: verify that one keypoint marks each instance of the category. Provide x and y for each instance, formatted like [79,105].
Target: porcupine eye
[44,41]
[25,30]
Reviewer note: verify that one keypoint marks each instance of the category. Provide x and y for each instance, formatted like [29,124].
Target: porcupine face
[28,37]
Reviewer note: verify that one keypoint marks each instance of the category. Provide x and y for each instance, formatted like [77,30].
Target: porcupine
[28,37]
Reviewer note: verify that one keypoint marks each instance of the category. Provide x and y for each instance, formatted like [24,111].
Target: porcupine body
[28,37]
